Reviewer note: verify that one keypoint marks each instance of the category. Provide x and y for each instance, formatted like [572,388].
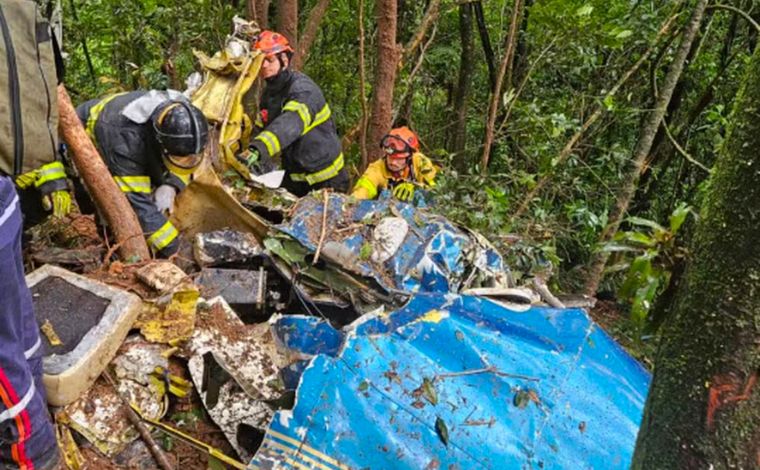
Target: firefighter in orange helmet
[295,122]
[402,170]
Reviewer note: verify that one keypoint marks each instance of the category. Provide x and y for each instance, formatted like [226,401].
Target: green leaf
[363,386]
[215,464]
[639,239]
[624,34]
[521,399]
[428,391]
[645,223]
[366,251]
[613,247]
[678,217]
[609,102]
[585,10]
[442,430]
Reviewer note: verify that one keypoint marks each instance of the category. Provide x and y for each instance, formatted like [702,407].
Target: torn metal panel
[224,247]
[247,352]
[162,276]
[242,289]
[99,414]
[233,408]
[434,255]
[454,381]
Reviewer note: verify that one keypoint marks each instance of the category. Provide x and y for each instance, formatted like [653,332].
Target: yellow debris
[50,334]
[173,322]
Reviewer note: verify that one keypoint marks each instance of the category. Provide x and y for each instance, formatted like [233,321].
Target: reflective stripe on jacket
[377,177]
[299,127]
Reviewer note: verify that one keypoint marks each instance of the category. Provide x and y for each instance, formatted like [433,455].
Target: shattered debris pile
[339,334]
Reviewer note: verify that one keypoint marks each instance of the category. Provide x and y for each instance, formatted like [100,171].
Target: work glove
[59,201]
[404,192]
[164,196]
[50,181]
[249,158]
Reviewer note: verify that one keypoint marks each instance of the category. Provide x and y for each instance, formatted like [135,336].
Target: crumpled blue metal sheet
[544,388]
[433,257]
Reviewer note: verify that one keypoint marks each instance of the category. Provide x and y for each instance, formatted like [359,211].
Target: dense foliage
[569,54]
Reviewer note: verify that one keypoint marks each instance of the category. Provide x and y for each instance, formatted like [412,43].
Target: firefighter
[151,141]
[296,123]
[28,148]
[402,170]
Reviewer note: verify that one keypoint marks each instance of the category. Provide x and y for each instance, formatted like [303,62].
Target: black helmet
[180,127]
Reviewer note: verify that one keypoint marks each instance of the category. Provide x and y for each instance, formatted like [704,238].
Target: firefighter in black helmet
[152,141]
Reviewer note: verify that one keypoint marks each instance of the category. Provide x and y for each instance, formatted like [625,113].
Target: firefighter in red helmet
[295,122]
[402,170]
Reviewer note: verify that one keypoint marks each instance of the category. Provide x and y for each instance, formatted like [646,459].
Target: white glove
[164,198]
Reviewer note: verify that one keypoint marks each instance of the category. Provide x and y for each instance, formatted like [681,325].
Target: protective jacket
[122,129]
[27,439]
[297,124]
[377,177]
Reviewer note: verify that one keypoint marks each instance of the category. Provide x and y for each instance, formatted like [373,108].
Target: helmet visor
[395,147]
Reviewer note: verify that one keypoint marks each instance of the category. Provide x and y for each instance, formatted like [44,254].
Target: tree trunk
[486,43]
[703,409]
[258,10]
[388,55]
[522,51]
[310,32]
[108,198]
[643,146]
[462,91]
[362,94]
[287,21]
[505,74]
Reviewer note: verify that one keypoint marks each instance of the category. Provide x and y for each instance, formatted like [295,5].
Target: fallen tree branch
[135,420]
[484,370]
[322,234]
[109,199]
[546,294]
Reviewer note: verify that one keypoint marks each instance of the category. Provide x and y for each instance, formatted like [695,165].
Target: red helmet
[399,142]
[271,43]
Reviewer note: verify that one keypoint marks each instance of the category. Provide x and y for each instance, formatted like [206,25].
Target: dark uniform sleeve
[160,233]
[300,114]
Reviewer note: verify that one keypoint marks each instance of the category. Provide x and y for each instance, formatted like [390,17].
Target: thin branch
[505,70]
[414,71]
[681,149]
[524,82]
[567,150]
[431,14]
[743,13]
[322,234]
[484,370]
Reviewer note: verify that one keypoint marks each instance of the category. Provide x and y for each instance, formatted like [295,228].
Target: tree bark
[505,74]
[306,40]
[287,21]
[108,198]
[643,146]
[462,91]
[485,42]
[431,14]
[388,55]
[258,10]
[703,409]
[362,93]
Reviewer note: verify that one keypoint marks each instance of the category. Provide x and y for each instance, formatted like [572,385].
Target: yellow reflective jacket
[377,177]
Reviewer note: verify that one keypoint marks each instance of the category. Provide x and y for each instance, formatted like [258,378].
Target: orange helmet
[400,141]
[271,43]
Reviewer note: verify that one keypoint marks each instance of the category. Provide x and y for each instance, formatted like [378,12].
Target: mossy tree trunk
[703,409]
